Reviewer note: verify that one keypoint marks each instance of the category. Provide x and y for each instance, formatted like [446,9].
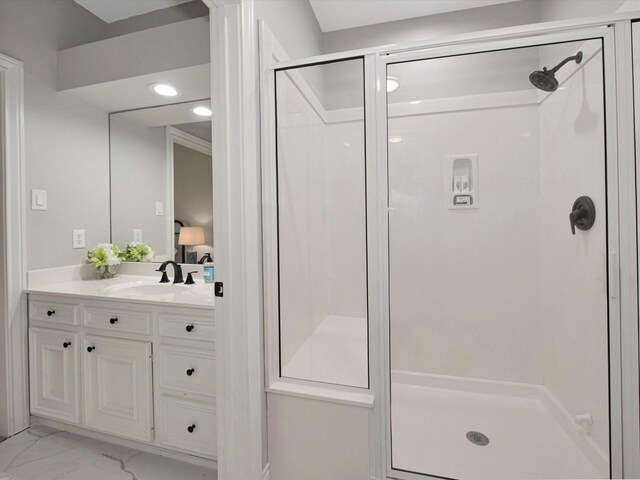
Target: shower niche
[462,182]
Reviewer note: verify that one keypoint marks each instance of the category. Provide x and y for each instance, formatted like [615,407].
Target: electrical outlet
[137,234]
[159,209]
[78,239]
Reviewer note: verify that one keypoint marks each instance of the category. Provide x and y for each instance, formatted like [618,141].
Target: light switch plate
[159,209]
[38,199]
[137,234]
[78,239]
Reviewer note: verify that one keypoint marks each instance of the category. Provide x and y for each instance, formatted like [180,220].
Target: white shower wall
[457,302]
[574,281]
[321,215]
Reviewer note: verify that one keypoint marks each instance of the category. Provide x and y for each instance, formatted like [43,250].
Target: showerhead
[546,79]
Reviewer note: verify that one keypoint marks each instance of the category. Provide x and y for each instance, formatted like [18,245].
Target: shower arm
[577,58]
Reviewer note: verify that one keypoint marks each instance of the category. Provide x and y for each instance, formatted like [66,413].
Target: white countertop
[131,288]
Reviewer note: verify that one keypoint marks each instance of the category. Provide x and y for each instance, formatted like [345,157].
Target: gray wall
[294,25]
[415,29]
[464,21]
[67,149]
[138,181]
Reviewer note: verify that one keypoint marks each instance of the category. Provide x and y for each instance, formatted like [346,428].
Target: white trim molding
[14,394]
[237,235]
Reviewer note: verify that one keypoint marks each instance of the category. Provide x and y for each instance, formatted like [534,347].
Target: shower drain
[478,438]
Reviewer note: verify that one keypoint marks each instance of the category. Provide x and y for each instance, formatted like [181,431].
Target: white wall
[316,440]
[574,279]
[193,193]
[138,181]
[67,146]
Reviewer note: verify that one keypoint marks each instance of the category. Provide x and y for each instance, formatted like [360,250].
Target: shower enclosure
[443,231]
[498,310]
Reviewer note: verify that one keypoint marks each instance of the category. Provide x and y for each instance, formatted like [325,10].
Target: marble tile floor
[43,453]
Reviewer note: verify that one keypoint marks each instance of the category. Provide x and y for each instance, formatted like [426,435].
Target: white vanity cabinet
[140,371]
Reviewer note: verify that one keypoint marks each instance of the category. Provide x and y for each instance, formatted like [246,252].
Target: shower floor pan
[436,421]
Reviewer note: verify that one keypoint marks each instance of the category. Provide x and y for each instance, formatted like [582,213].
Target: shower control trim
[583,214]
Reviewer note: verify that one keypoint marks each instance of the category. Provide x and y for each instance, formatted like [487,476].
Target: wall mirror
[161,179]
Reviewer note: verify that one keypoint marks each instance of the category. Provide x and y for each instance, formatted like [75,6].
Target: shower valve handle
[583,214]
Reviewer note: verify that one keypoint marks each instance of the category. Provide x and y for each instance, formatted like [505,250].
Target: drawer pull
[113,320]
[66,344]
[191,371]
[190,328]
[51,313]
[91,349]
[191,428]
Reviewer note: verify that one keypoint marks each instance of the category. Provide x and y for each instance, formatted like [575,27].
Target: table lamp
[191,236]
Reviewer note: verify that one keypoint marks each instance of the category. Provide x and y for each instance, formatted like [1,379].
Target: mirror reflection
[161,180]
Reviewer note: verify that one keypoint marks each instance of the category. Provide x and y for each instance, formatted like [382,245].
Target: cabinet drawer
[187,425]
[55,312]
[187,370]
[186,326]
[117,319]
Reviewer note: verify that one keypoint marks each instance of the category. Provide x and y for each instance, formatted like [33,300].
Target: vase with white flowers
[139,252]
[106,259]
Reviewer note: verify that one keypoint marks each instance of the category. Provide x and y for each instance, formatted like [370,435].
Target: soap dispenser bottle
[209,269]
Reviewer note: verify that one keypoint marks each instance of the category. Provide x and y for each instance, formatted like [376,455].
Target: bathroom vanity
[126,357]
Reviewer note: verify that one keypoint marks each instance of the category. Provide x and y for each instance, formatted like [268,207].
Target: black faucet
[206,258]
[177,272]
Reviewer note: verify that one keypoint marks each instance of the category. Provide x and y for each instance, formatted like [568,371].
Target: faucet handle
[190,280]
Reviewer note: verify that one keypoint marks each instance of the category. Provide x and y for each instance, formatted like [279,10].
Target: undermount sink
[157,291]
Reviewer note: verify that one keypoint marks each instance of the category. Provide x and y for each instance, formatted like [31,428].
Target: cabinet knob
[190,328]
[191,428]
[50,313]
[66,344]
[91,349]
[113,320]
[191,371]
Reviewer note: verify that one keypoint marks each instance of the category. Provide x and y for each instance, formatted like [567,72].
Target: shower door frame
[615,147]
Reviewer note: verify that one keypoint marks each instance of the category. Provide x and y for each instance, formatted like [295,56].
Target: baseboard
[105,437]
[266,473]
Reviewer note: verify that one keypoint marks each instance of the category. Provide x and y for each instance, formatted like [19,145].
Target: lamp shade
[191,236]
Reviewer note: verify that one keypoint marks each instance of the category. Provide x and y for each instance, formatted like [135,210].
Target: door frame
[621,217]
[14,389]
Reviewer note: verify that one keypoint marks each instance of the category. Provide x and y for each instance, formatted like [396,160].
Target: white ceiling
[113,10]
[340,14]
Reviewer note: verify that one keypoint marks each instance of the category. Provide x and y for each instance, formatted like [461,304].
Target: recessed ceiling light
[415,102]
[395,139]
[392,84]
[164,89]
[202,111]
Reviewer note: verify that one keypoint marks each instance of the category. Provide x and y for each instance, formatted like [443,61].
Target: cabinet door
[54,374]
[117,386]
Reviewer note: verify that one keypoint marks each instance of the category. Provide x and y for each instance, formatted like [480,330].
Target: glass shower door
[498,264]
